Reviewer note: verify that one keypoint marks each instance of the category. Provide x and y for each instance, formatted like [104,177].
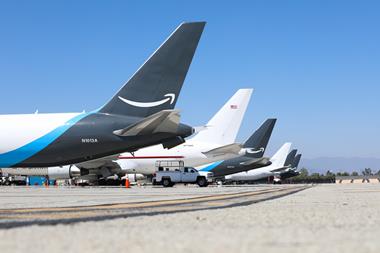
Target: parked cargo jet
[252,155]
[277,164]
[139,115]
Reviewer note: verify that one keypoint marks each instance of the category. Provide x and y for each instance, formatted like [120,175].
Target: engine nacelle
[173,142]
[65,172]
[131,167]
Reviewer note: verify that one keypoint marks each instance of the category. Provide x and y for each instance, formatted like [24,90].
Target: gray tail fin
[157,83]
[257,143]
[296,161]
[290,158]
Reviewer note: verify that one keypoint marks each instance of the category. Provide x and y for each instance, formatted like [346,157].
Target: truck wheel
[202,182]
[166,182]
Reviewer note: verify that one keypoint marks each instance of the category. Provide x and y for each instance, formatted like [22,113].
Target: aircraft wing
[105,166]
[165,121]
[108,161]
[227,149]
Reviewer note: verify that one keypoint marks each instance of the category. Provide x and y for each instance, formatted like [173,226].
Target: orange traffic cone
[127,183]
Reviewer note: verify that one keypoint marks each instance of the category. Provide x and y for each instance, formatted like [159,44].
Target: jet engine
[173,142]
[65,172]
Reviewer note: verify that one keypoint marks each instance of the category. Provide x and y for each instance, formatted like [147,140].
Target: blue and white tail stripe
[18,155]
[211,166]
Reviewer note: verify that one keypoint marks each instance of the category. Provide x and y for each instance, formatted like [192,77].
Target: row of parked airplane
[140,126]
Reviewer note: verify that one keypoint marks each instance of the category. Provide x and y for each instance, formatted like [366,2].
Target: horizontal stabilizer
[227,149]
[280,169]
[258,162]
[165,121]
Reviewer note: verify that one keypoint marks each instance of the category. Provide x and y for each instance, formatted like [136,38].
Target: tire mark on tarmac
[14,218]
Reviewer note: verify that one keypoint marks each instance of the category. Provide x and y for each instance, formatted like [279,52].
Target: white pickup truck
[186,175]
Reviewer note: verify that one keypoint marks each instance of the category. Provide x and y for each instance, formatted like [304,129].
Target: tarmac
[322,218]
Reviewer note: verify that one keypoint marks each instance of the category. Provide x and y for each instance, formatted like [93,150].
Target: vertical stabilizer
[223,128]
[157,83]
[256,144]
[289,160]
[278,159]
[296,161]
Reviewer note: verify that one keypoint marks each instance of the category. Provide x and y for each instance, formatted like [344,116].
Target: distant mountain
[340,164]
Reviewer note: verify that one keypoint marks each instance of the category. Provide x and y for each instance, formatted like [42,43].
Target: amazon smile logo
[252,151]
[170,97]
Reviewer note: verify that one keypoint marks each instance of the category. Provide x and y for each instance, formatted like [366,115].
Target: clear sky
[315,65]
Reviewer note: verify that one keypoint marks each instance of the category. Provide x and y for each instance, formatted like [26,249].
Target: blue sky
[313,64]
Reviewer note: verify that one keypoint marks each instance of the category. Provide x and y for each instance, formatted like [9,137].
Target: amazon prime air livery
[252,154]
[141,114]
[278,164]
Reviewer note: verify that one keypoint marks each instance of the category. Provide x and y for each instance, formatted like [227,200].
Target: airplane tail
[290,158]
[157,83]
[224,126]
[256,144]
[278,159]
[296,161]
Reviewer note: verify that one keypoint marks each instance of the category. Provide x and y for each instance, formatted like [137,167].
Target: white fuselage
[20,129]
[191,152]
[18,134]
[252,175]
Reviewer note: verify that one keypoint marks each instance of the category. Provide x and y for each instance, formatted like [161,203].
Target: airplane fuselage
[251,175]
[235,165]
[255,174]
[44,140]
[191,153]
